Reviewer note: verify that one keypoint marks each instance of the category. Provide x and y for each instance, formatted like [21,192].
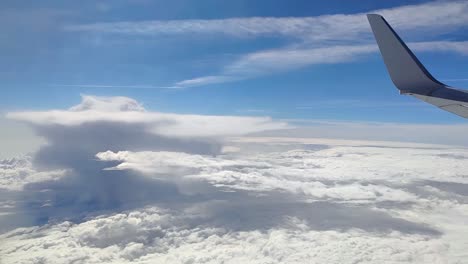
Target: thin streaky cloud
[116,86]
[339,104]
[434,15]
[255,111]
[278,60]
[266,62]
[455,80]
[325,39]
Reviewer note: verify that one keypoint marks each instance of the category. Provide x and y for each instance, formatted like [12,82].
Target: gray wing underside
[410,76]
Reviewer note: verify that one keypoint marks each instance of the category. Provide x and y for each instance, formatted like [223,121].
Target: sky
[137,131]
[284,59]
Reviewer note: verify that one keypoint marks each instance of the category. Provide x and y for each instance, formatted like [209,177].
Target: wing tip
[407,73]
[372,16]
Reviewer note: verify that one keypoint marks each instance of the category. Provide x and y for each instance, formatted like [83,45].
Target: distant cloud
[64,172]
[107,104]
[274,200]
[450,134]
[16,173]
[281,60]
[455,80]
[432,15]
[460,47]
[16,138]
[249,174]
[354,103]
[114,86]
[127,111]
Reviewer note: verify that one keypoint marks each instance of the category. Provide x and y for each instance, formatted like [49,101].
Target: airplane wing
[410,76]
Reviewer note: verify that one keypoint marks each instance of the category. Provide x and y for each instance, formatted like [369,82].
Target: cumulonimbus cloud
[127,111]
[76,181]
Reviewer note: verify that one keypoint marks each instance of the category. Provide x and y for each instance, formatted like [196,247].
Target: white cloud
[286,59]
[356,103]
[280,60]
[15,173]
[114,86]
[304,172]
[64,172]
[214,79]
[153,236]
[287,200]
[128,111]
[433,15]
[460,47]
[450,134]
[322,39]
[107,104]
[109,187]
[16,139]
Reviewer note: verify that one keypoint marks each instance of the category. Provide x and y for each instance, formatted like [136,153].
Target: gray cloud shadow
[447,190]
[75,146]
[240,211]
[90,190]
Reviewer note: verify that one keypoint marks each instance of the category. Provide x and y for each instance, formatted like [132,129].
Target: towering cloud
[100,124]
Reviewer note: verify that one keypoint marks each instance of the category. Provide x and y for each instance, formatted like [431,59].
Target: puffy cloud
[272,200]
[15,173]
[154,235]
[107,104]
[313,172]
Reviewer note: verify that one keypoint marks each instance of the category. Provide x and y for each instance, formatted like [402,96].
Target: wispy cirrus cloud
[433,15]
[325,39]
[114,86]
[281,60]
[354,103]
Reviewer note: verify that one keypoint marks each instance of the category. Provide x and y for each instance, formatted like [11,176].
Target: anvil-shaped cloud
[127,111]
[99,124]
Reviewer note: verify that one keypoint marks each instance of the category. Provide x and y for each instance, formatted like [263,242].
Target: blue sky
[284,59]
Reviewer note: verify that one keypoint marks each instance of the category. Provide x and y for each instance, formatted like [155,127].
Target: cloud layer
[109,187]
[274,201]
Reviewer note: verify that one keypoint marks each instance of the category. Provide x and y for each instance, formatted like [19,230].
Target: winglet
[406,71]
